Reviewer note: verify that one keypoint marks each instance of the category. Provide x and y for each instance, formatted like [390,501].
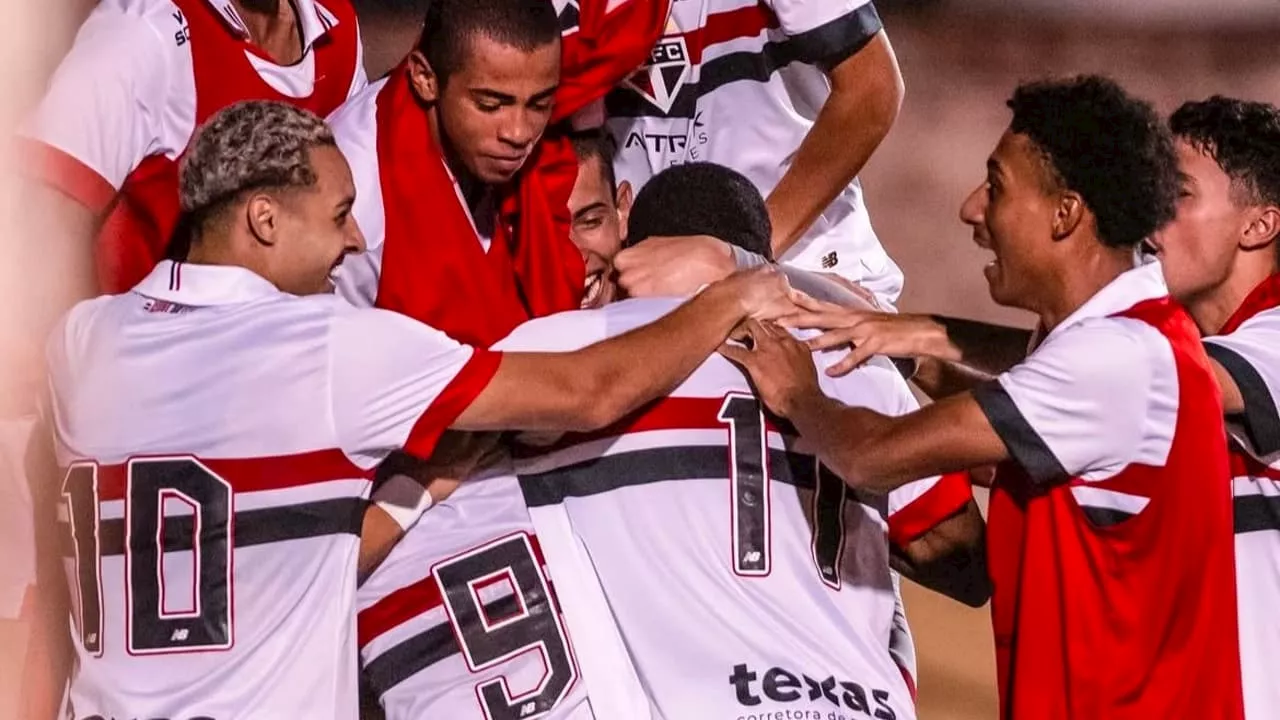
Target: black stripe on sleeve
[1261,419]
[831,44]
[252,527]
[1256,513]
[1024,443]
[1104,517]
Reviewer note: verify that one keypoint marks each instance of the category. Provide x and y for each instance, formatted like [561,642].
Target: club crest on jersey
[660,79]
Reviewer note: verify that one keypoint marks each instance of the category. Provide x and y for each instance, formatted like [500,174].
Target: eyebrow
[508,98]
[994,167]
[590,208]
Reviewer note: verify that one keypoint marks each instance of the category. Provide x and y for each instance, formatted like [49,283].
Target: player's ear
[623,200]
[1262,230]
[262,213]
[1068,214]
[422,79]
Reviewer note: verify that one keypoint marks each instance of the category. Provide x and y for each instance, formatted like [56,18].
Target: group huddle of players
[555,374]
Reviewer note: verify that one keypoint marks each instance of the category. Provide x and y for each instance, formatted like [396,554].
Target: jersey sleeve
[397,383]
[102,112]
[1089,401]
[1251,355]
[826,32]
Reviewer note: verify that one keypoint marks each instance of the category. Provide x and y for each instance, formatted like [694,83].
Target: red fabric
[947,497]
[1263,297]
[57,169]
[136,234]
[433,267]
[1136,620]
[457,396]
[443,277]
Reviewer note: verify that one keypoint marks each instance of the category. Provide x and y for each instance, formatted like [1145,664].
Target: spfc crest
[661,78]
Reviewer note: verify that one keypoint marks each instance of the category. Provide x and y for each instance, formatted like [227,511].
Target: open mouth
[594,288]
[335,271]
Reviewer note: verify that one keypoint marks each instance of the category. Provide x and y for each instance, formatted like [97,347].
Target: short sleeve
[1088,402]
[102,113]
[396,383]
[826,31]
[1251,355]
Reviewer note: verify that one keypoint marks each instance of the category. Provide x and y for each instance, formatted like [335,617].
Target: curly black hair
[1106,145]
[1243,137]
[702,198]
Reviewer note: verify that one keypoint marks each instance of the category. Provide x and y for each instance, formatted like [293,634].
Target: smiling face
[492,109]
[599,218]
[313,228]
[1012,215]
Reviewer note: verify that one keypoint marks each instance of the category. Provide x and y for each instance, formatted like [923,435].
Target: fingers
[833,339]
[854,360]
[736,354]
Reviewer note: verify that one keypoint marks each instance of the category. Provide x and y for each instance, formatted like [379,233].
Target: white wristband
[404,499]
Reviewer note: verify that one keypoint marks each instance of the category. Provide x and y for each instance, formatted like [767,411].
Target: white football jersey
[219,438]
[740,83]
[745,578]
[460,621]
[1251,354]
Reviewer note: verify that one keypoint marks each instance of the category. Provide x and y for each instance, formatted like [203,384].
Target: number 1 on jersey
[748,483]
[749,490]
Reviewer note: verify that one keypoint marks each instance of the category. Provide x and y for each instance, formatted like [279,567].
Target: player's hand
[870,333]
[672,266]
[781,367]
[456,456]
[764,292]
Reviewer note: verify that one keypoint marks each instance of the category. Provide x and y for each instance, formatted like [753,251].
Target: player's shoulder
[158,24]
[577,328]
[876,385]
[1107,344]
[357,116]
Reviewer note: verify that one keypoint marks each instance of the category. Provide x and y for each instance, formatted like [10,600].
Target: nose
[355,239]
[974,207]
[520,128]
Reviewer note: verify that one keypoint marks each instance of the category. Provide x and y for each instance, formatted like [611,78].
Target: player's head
[1229,205]
[599,207]
[702,199]
[1084,168]
[265,186]
[488,68]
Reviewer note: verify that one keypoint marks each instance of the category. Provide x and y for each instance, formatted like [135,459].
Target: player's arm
[866,93]
[1042,413]
[950,557]
[1246,364]
[408,486]
[599,384]
[98,119]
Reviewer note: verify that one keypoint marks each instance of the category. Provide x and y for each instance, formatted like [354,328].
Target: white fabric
[215,363]
[751,126]
[485,508]
[1101,392]
[1257,342]
[127,88]
[662,555]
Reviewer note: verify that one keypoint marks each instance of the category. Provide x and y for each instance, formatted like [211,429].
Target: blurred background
[961,59]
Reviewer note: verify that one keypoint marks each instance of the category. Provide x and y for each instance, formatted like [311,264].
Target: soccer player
[647,498]
[463,207]
[1109,530]
[795,95]
[1220,260]
[220,422]
[599,207]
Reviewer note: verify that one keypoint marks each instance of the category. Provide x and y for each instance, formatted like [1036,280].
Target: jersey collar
[1143,282]
[204,285]
[313,19]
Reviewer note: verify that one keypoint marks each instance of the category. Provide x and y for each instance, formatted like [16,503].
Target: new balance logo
[829,260]
[782,686]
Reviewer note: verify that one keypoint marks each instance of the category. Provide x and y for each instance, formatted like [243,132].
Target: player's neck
[472,189]
[1211,309]
[1088,275]
[273,26]
[215,250]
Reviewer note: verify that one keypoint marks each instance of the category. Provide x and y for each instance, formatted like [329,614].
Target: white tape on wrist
[404,499]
